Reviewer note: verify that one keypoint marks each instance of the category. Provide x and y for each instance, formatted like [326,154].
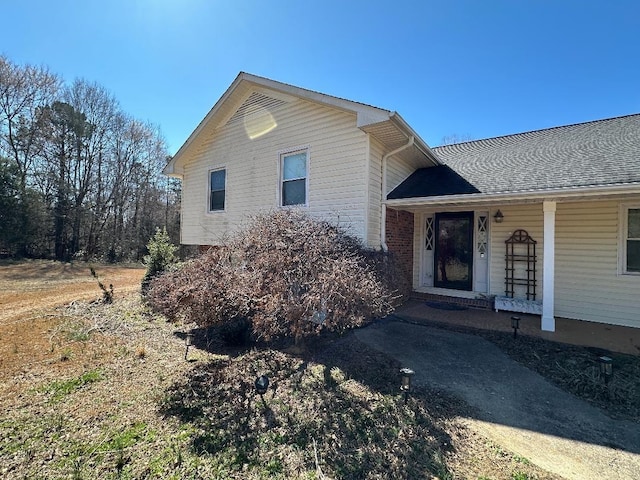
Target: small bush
[161,256]
[107,294]
[288,274]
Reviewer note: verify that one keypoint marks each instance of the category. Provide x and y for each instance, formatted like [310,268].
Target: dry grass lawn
[103,391]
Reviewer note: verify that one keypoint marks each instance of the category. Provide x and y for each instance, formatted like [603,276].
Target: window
[217,186]
[632,239]
[294,178]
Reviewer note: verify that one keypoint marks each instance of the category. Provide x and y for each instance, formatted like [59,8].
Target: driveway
[515,407]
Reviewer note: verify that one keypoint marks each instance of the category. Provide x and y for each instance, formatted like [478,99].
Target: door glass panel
[454,251]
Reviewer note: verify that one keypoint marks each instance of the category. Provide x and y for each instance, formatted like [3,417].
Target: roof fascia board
[420,143]
[170,169]
[362,110]
[557,193]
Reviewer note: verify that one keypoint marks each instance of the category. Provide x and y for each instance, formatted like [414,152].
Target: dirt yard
[29,294]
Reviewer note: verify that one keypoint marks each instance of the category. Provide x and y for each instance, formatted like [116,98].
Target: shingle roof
[598,153]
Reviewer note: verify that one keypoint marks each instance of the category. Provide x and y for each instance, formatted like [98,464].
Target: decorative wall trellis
[520,268]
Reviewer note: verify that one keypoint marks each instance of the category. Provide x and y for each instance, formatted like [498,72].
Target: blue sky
[476,68]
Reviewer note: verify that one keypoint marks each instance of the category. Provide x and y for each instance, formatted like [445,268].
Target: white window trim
[281,155]
[623,223]
[226,175]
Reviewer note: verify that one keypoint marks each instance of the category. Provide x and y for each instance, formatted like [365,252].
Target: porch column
[548,268]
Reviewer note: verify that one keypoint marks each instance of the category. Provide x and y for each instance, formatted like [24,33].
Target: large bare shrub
[286,273]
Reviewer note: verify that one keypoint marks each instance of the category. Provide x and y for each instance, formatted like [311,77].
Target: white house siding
[337,150]
[587,283]
[376,152]
[398,170]
[526,217]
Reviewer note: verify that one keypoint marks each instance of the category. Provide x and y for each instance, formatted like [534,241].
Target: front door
[453,265]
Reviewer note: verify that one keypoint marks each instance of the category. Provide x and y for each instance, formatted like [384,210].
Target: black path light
[405,381]
[515,324]
[606,368]
[262,384]
[188,341]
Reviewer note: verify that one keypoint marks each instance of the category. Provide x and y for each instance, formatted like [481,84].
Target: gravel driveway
[515,407]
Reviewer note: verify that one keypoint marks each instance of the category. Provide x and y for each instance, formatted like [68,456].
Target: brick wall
[483,303]
[206,248]
[399,235]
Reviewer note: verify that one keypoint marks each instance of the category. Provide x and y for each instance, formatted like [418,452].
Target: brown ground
[113,425]
[29,293]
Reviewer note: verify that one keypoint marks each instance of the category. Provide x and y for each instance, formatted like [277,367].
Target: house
[546,222]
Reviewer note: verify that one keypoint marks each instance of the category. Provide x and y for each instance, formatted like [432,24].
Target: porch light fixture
[188,341]
[405,382]
[606,368]
[515,324]
[498,217]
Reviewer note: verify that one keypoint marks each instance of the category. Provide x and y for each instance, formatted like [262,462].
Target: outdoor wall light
[606,368]
[498,217]
[405,382]
[262,384]
[188,341]
[515,324]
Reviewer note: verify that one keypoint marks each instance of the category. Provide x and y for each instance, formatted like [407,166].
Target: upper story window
[217,189]
[631,247]
[294,168]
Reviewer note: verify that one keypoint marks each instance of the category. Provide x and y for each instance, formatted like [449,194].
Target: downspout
[383,210]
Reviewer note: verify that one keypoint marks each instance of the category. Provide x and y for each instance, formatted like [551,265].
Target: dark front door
[454,250]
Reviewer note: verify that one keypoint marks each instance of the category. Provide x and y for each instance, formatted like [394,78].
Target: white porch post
[548,268]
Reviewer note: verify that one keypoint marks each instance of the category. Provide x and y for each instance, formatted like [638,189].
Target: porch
[576,332]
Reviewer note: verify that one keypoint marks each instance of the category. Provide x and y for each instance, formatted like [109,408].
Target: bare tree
[455,138]
[92,170]
[24,92]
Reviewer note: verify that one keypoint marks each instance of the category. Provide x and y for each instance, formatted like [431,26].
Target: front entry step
[482,303]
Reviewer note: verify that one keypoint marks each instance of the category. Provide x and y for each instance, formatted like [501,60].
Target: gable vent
[257,102]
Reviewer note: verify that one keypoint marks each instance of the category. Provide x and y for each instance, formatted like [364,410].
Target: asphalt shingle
[598,153]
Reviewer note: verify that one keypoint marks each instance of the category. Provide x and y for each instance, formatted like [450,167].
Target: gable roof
[249,92]
[601,153]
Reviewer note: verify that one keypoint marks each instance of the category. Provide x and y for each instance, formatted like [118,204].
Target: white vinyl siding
[398,170]
[526,217]
[376,151]
[588,284]
[336,193]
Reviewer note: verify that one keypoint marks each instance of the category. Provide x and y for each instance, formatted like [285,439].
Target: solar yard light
[515,324]
[606,368]
[188,341]
[405,382]
[262,384]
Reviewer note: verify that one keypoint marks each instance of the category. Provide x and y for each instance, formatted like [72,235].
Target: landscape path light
[606,368]
[262,385]
[188,341]
[515,324]
[405,382]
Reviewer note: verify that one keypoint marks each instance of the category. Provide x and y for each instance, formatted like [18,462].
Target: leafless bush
[288,274]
